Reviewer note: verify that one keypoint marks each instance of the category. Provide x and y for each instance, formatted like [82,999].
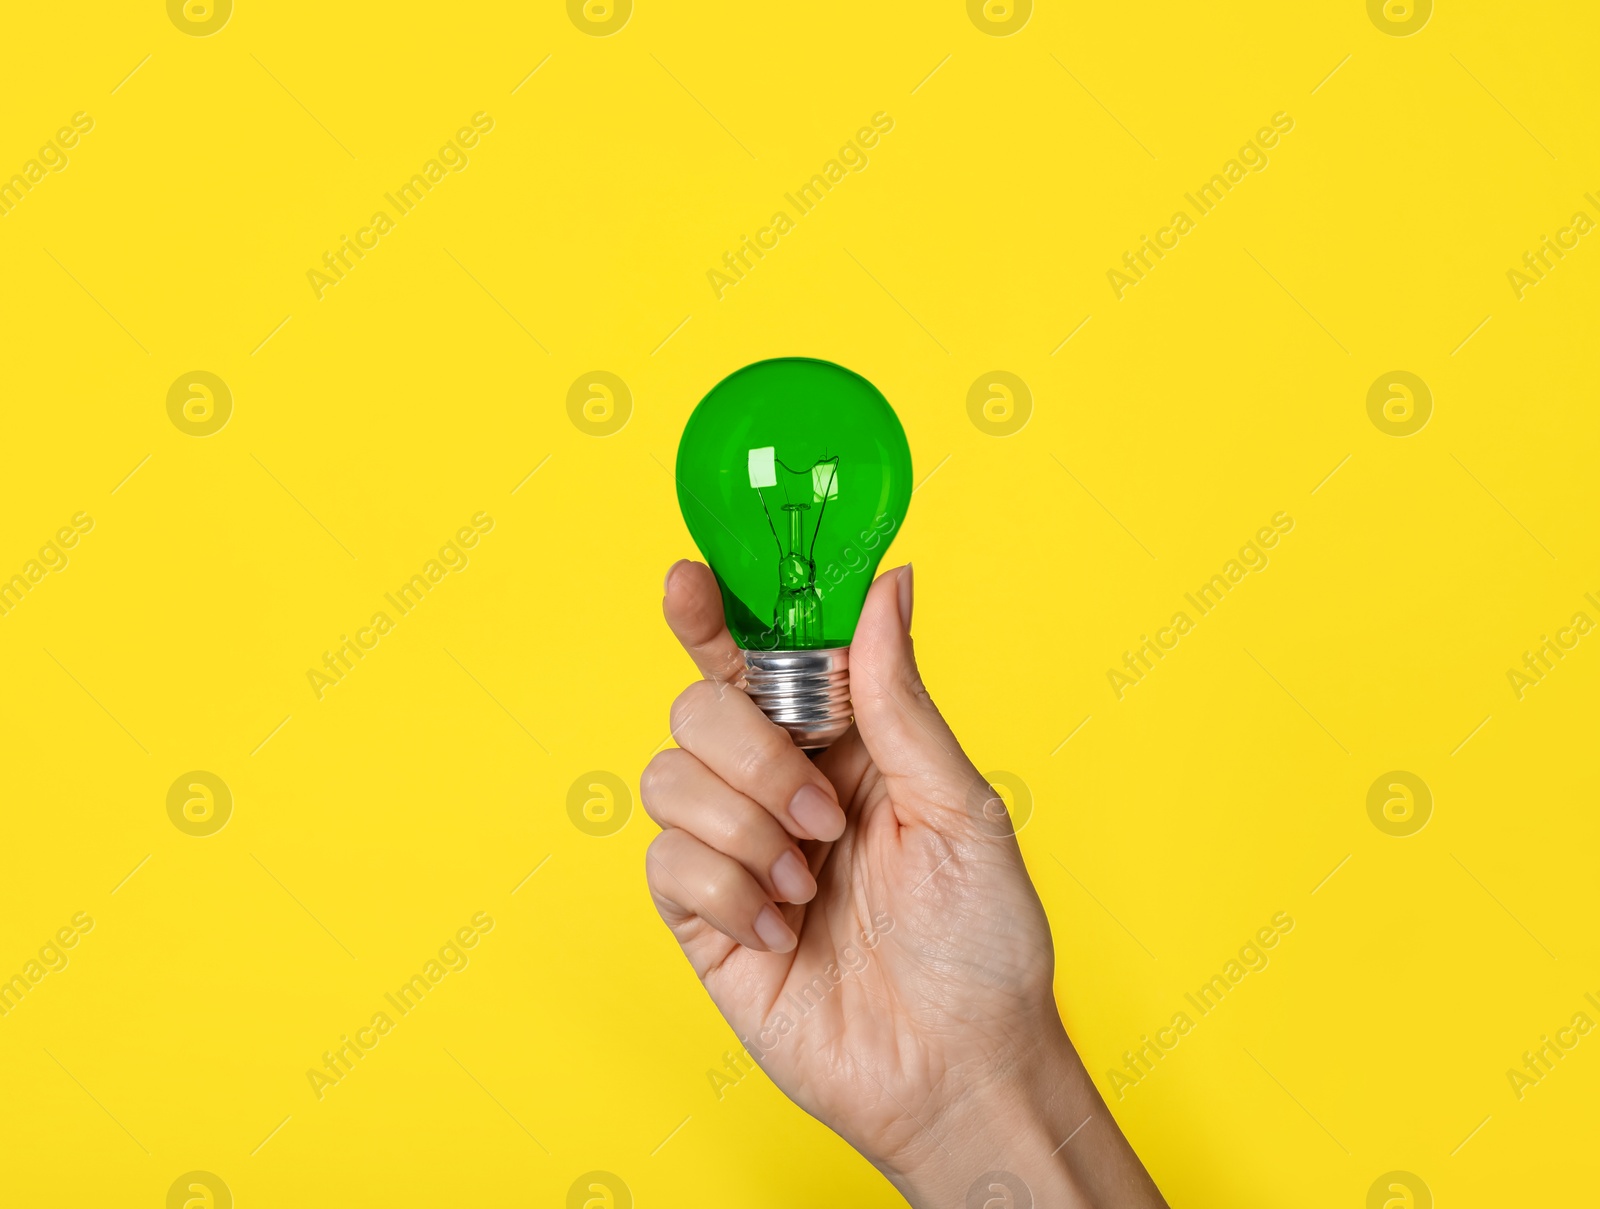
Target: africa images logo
[1399,1190]
[199,1190]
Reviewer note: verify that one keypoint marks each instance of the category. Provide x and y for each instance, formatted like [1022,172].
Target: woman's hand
[866,924]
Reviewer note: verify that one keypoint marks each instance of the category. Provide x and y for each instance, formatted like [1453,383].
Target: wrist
[1005,1133]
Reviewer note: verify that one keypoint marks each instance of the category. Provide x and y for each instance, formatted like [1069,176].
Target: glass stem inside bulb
[798,614]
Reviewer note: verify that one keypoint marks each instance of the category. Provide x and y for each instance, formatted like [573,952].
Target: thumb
[902,729]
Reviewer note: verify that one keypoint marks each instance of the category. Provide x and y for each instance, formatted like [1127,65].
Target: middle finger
[734,739]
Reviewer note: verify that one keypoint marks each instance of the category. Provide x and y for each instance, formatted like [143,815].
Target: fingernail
[792,879]
[816,813]
[668,580]
[905,597]
[773,931]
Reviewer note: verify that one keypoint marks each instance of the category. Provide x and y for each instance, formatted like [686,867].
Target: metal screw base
[805,692]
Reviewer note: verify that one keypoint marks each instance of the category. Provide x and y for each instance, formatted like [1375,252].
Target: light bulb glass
[793,475]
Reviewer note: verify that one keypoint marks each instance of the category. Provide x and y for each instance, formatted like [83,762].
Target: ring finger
[690,880]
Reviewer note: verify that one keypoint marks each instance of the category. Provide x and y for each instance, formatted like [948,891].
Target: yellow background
[370,425]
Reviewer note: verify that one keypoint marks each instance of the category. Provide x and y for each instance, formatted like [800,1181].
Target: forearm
[1044,1136]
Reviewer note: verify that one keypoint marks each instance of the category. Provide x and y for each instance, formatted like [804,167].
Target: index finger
[692,604]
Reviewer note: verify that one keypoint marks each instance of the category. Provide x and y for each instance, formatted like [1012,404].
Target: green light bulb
[794,476]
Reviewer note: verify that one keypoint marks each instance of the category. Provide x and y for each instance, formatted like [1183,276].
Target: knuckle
[690,702]
[656,856]
[660,778]
[762,753]
[729,832]
[723,889]
[749,763]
